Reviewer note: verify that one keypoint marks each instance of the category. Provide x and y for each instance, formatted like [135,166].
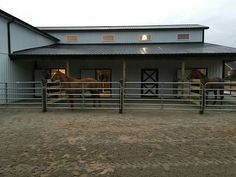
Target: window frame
[104,36]
[182,36]
[149,37]
[71,38]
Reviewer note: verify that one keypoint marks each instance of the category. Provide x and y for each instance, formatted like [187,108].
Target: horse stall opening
[25,95]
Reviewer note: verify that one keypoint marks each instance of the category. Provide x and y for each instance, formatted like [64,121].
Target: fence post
[6,93]
[44,96]
[161,95]
[203,100]
[121,96]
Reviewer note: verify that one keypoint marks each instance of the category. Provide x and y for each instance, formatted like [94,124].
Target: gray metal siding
[130,37]
[9,70]
[15,71]
[3,36]
[215,68]
[23,38]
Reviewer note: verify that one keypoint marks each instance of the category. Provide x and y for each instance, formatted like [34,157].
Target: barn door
[147,88]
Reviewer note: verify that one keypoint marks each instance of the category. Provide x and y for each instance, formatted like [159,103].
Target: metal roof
[128,49]
[115,28]
[28,26]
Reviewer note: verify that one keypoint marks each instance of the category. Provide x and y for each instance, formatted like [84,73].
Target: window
[182,36]
[54,70]
[72,38]
[145,37]
[107,38]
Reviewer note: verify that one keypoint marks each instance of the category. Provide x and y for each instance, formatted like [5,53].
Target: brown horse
[79,86]
[210,87]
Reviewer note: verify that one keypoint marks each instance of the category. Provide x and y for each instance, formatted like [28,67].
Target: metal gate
[66,96]
[168,95]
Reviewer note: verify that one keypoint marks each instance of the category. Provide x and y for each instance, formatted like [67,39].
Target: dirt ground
[105,143]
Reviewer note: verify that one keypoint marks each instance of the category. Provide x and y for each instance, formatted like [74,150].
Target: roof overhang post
[124,71]
[182,71]
[67,67]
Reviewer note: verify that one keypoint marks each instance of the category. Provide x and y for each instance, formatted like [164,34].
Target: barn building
[164,53]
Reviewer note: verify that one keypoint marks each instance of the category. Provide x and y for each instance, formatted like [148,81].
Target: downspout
[203,36]
[9,37]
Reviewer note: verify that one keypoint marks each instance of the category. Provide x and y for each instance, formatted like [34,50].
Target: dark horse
[211,84]
[78,86]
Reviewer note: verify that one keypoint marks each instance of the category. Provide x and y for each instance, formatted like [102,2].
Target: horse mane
[72,79]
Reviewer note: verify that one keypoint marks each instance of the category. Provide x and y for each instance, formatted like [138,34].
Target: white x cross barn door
[149,85]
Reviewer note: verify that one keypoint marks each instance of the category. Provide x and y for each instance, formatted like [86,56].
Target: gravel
[105,143]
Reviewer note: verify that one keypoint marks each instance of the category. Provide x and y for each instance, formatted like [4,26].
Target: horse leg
[206,97]
[99,100]
[221,96]
[215,93]
[71,101]
[96,99]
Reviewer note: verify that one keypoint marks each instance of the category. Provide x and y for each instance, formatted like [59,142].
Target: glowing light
[143,50]
[145,37]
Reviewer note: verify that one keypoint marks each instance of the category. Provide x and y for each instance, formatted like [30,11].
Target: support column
[122,87]
[67,67]
[182,71]
[182,77]
[124,71]
[44,96]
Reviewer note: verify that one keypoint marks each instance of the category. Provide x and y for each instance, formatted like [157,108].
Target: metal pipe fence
[20,95]
[163,95]
[121,96]
[220,96]
[82,95]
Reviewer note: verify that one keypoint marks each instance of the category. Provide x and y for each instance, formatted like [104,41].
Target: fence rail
[81,95]
[220,96]
[20,95]
[163,95]
[121,96]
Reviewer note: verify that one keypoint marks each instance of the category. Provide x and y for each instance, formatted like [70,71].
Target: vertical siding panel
[23,38]
[129,36]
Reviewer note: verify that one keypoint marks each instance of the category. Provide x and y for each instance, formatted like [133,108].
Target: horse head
[196,74]
[58,76]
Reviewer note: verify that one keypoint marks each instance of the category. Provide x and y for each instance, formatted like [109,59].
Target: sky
[219,15]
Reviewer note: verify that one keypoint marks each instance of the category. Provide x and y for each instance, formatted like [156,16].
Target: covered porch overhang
[123,52]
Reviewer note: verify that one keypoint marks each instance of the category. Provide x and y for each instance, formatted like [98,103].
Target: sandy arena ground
[105,143]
